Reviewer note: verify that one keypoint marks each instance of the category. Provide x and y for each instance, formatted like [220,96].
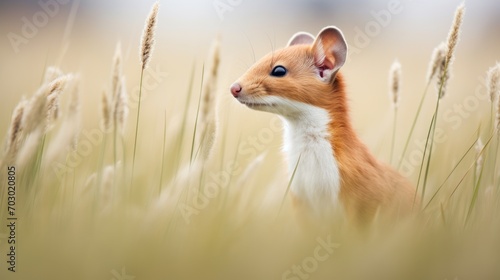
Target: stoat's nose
[235,89]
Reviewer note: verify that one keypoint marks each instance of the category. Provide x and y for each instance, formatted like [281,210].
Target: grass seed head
[38,107]
[395,82]
[493,82]
[498,115]
[208,113]
[106,112]
[74,112]
[117,70]
[51,74]
[148,36]
[451,43]
[53,104]
[454,34]
[120,112]
[438,57]
[443,75]
[15,129]
[211,82]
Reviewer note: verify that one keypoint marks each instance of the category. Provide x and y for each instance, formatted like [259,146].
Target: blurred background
[81,37]
[239,236]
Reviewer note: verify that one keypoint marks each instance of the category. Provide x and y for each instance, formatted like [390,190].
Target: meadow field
[124,155]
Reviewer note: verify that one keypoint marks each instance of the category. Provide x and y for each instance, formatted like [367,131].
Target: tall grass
[443,77]
[219,216]
[148,39]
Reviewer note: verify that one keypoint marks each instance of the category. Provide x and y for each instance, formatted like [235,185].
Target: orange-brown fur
[366,183]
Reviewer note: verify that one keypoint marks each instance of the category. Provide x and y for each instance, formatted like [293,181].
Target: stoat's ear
[301,38]
[330,52]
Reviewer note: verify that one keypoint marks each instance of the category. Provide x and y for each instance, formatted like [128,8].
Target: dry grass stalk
[36,118]
[395,82]
[208,114]
[29,147]
[442,78]
[454,33]
[117,70]
[115,109]
[67,135]
[246,178]
[15,129]
[106,189]
[74,113]
[438,57]
[106,112]
[451,43]
[498,115]
[493,82]
[211,82]
[120,112]
[479,162]
[53,105]
[208,141]
[37,108]
[51,74]
[148,36]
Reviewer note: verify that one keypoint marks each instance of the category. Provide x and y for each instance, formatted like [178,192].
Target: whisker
[251,46]
[272,50]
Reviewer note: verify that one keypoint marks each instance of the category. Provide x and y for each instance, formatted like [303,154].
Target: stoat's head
[302,73]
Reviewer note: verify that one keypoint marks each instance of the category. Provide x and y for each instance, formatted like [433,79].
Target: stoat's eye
[278,71]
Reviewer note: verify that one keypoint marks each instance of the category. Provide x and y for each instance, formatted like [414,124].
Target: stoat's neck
[329,119]
[331,155]
[307,143]
[343,138]
[354,159]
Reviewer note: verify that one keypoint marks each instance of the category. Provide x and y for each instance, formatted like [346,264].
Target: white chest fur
[317,179]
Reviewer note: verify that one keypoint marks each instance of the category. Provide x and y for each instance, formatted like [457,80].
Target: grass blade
[474,196]
[180,138]
[422,164]
[197,115]
[472,165]
[426,176]
[289,185]
[393,134]
[137,126]
[451,173]
[412,129]
[163,151]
